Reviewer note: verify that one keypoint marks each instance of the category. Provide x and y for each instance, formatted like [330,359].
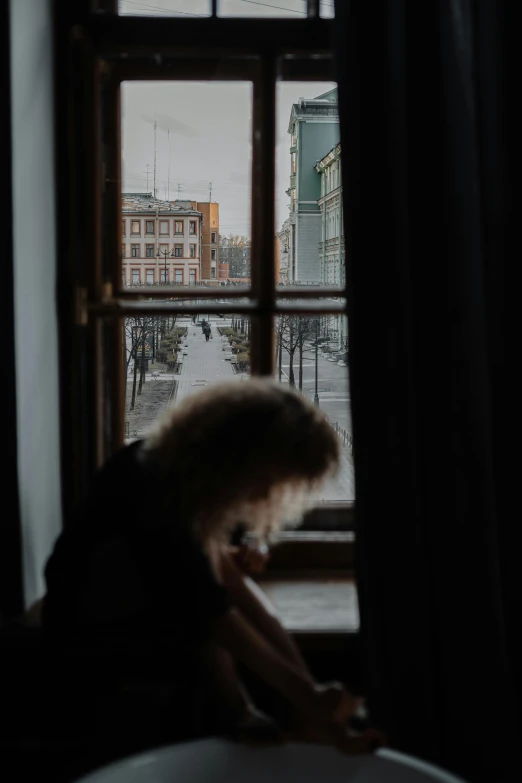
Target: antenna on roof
[155,126]
[210,191]
[147,166]
[179,190]
[168,171]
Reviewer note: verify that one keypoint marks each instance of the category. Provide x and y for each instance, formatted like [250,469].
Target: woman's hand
[251,560]
[334,704]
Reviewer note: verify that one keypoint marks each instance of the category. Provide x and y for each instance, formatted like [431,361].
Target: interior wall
[34,252]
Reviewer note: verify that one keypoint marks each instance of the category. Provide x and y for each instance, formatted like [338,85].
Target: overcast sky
[206,125]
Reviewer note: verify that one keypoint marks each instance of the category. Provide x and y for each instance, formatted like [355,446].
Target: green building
[314,129]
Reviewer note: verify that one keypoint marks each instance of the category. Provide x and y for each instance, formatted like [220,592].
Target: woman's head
[249,451]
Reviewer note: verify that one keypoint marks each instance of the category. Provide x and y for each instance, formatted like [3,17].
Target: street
[333,389]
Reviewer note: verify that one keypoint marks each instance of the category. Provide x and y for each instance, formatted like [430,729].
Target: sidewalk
[204,363]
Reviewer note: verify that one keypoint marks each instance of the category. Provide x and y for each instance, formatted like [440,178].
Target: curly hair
[249,451]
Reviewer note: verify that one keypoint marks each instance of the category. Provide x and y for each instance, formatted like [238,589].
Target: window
[123,251]
[123,227]
[253,258]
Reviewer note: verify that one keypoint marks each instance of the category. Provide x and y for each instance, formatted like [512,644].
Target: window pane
[309,221]
[312,357]
[290,9]
[164,8]
[174,360]
[327,9]
[209,199]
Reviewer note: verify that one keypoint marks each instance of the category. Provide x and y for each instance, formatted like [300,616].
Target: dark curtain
[430,131]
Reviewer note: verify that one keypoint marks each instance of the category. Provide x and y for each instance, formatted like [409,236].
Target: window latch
[82,314]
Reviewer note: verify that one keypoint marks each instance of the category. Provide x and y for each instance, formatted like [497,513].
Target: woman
[148,555]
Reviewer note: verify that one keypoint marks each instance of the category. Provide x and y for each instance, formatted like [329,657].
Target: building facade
[313,128]
[284,236]
[161,241]
[331,248]
[210,271]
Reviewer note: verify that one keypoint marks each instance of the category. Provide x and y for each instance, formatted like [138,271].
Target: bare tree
[292,333]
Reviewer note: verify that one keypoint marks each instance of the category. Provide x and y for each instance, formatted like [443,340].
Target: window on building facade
[135,251]
[179,227]
[150,276]
[192,275]
[213,237]
[135,226]
[213,272]
[149,227]
[213,254]
[123,227]
[179,277]
[149,251]
[123,251]
[164,275]
[135,275]
[178,251]
[193,251]
[164,227]
[192,227]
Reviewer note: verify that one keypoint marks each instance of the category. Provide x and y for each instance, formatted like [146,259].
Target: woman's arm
[253,604]
[322,704]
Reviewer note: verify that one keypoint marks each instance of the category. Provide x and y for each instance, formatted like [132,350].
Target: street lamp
[316,395]
[164,253]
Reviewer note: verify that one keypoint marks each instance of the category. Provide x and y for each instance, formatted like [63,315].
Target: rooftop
[145,202]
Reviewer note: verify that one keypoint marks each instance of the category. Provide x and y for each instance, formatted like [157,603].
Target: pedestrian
[207,332]
[121,578]
[193,319]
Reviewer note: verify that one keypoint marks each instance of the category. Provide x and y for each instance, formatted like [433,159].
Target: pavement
[204,364]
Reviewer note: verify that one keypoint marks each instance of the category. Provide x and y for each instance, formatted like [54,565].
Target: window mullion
[263,215]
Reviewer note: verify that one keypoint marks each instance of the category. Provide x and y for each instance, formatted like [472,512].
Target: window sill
[325,606]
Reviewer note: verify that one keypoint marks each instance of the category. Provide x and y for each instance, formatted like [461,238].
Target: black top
[122,569]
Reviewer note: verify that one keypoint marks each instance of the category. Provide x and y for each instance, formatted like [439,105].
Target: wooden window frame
[176,232]
[133,248]
[135,233]
[192,250]
[104,51]
[147,232]
[150,247]
[162,233]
